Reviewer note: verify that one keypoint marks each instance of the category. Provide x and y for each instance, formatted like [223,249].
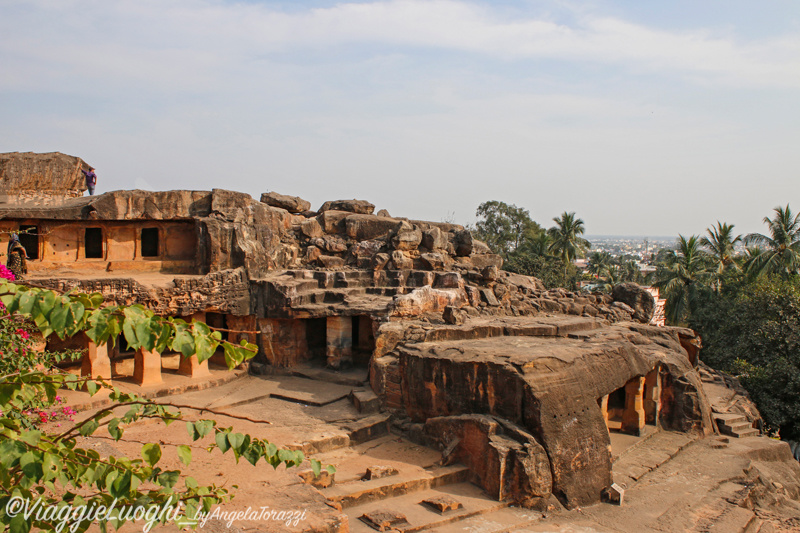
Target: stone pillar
[96,363]
[339,339]
[633,417]
[147,367]
[652,397]
[193,368]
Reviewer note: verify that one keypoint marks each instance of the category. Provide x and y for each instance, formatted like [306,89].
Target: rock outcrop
[638,298]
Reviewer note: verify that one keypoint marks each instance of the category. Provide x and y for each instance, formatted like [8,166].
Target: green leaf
[169,479]
[236,440]
[252,454]
[185,454]
[222,441]
[88,428]
[59,316]
[151,453]
[183,342]
[114,430]
[316,467]
[31,437]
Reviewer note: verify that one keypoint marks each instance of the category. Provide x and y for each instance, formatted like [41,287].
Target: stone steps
[348,434]
[419,516]
[358,492]
[735,425]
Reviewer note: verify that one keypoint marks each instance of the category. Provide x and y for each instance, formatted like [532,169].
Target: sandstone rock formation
[29,176]
[521,383]
[640,300]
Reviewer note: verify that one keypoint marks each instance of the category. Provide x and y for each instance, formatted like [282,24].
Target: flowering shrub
[6,273]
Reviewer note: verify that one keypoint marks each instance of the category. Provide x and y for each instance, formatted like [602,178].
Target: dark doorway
[317,338]
[218,321]
[29,238]
[149,242]
[93,243]
[363,340]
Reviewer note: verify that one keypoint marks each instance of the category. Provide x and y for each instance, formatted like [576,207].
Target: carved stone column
[339,345]
[633,417]
[96,363]
[147,367]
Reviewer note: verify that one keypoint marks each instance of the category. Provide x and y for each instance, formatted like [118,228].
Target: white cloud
[185,42]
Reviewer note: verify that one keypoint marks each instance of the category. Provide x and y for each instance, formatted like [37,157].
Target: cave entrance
[363,340]
[316,338]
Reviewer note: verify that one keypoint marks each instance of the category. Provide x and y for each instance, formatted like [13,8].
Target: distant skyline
[642,117]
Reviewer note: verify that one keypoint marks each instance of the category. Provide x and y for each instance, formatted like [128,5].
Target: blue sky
[642,117]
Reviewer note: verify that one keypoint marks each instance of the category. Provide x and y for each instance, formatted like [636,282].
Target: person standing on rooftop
[91,180]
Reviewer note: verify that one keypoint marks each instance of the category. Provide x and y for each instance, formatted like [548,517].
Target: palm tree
[567,243]
[680,276]
[538,245]
[781,254]
[721,244]
[598,261]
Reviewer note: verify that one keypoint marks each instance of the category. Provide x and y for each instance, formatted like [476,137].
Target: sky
[643,118]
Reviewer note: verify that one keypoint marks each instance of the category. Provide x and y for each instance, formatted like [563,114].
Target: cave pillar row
[339,341]
[633,417]
[191,366]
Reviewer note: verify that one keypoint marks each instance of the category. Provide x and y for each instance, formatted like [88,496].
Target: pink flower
[6,273]
[25,334]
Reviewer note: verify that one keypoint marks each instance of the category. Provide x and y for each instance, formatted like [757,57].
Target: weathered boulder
[366,227]
[427,300]
[638,298]
[52,172]
[379,261]
[330,261]
[352,206]
[453,315]
[383,213]
[434,239]
[402,261]
[311,228]
[432,261]
[462,241]
[293,204]
[406,237]
[332,221]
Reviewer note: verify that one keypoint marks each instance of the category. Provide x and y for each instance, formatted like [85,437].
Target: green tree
[550,270]
[781,253]
[599,262]
[721,245]
[752,330]
[678,278]
[567,241]
[37,464]
[504,227]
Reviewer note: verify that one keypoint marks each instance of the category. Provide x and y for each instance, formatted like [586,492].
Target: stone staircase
[735,425]
[390,483]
